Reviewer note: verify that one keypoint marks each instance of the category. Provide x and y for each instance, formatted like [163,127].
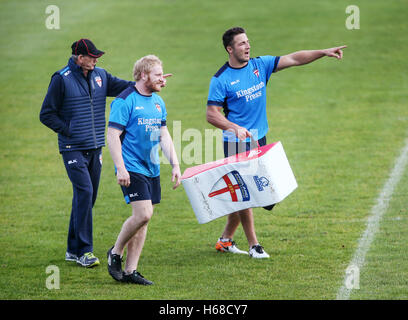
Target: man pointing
[239,88]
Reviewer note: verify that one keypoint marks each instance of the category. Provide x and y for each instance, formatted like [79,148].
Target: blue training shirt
[242,94]
[140,117]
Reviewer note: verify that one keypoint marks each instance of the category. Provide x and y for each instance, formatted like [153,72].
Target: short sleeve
[164,114]
[270,63]
[216,94]
[119,114]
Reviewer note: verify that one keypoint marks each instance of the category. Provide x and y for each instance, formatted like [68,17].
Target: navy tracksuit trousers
[84,171]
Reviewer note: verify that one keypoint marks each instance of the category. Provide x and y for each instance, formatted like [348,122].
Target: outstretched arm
[164,78]
[300,58]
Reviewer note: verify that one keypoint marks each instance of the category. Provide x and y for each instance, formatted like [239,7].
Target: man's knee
[142,212]
[245,212]
[85,191]
[144,218]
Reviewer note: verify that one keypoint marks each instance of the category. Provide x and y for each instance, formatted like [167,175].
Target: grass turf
[342,124]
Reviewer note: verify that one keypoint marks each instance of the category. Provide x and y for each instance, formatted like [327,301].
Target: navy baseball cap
[86,47]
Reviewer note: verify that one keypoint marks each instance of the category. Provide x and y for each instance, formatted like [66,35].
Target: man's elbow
[110,135]
[210,117]
[41,117]
[44,118]
[113,135]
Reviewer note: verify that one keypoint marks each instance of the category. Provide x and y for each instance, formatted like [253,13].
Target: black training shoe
[136,277]
[115,265]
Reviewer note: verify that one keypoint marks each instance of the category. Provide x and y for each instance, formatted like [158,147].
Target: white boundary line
[373,222]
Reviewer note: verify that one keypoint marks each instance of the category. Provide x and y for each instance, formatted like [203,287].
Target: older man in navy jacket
[74,107]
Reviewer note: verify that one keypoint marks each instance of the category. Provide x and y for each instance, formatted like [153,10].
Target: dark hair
[229,35]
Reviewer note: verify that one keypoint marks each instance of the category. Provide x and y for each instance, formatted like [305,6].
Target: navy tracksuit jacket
[74,107]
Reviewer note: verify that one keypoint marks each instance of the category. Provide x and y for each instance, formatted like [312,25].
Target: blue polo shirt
[242,94]
[140,118]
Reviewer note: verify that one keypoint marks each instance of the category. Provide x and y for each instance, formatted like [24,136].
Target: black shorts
[142,188]
[232,148]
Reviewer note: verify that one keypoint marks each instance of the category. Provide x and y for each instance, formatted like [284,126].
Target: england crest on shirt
[98,81]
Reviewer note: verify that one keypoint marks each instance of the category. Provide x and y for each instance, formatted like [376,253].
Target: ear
[229,49]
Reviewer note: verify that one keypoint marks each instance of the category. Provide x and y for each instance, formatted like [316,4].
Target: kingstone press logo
[151,124]
[251,93]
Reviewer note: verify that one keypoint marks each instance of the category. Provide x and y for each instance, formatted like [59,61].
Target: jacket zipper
[91,87]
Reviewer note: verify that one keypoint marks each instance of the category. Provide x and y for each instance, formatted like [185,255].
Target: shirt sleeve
[164,114]
[49,114]
[270,63]
[119,115]
[116,85]
[216,94]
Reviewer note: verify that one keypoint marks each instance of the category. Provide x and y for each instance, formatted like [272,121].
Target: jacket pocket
[79,132]
[71,128]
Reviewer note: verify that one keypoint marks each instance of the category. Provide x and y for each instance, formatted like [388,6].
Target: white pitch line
[373,221]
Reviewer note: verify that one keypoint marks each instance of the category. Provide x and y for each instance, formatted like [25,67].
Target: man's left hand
[176,177]
[335,52]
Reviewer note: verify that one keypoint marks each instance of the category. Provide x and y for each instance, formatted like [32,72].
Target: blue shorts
[233,148]
[142,188]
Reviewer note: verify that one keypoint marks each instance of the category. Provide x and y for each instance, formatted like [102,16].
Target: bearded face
[155,80]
